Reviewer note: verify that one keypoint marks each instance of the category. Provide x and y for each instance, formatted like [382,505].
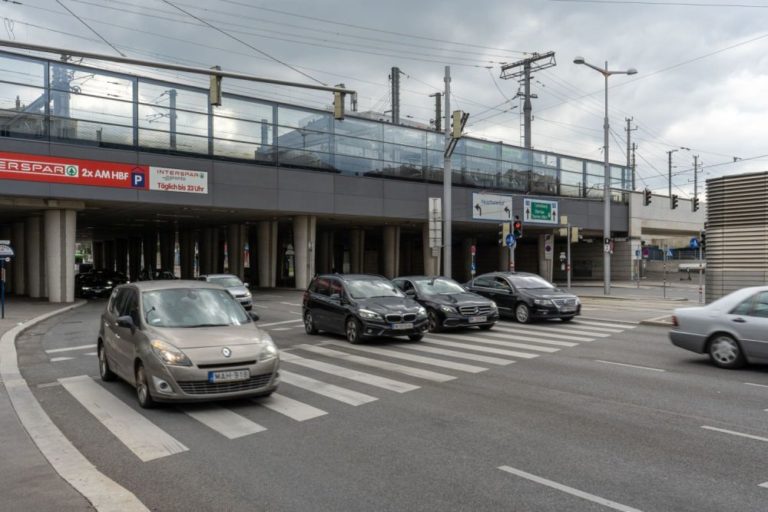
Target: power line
[89,27]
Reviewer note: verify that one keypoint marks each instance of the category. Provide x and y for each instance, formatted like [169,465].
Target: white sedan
[732,330]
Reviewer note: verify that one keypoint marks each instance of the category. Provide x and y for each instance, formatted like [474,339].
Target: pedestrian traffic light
[648,197]
[674,201]
[695,204]
[503,233]
[517,229]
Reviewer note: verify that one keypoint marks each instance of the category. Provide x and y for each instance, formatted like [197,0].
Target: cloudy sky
[701,83]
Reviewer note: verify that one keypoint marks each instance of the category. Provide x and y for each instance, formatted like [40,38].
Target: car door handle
[740,320]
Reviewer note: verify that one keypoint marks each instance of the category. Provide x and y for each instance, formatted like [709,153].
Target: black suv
[360,306]
[526,296]
[448,303]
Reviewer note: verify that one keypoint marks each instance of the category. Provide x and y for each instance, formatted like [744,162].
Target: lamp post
[607,173]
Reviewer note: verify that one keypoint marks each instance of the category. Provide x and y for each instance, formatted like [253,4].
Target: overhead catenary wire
[89,27]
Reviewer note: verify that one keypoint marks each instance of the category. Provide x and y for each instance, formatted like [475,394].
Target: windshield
[226,281]
[192,307]
[438,286]
[531,283]
[366,289]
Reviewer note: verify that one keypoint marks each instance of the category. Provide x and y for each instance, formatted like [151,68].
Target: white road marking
[548,334]
[291,304]
[58,359]
[619,324]
[91,354]
[260,306]
[281,329]
[462,367]
[757,385]
[593,326]
[560,330]
[48,385]
[67,349]
[734,433]
[323,388]
[506,336]
[146,440]
[764,484]
[477,348]
[294,409]
[227,423]
[280,323]
[458,355]
[382,365]
[570,490]
[631,366]
[340,371]
[512,344]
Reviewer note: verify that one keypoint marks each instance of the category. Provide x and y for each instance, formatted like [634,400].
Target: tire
[416,337]
[309,323]
[486,327]
[143,394]
[566,319]
[435,325]
[106,374]
[352,330]
[725,352]
[522,313]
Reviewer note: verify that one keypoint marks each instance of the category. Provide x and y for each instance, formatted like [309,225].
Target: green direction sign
[540,211]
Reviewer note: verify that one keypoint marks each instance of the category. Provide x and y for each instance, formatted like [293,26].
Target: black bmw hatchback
[360,306]
[448,304]
[526,296]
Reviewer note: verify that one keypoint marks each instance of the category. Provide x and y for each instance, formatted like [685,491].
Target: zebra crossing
[338,373]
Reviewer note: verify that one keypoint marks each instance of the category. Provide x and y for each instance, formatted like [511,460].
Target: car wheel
[105,373]
[435,325]
[725,352]
[566,319]
[309,323]
[143,394]
[522,313]
[353,330]
[416,337]
[485,327]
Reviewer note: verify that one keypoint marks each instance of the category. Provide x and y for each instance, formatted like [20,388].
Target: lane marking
[477,348]
[734,433]
[764,484]
[631,366]
[559,330]
[757,385]
[291,304]
[67,349]
[340,371]
[458,355]
[597,327]
[569,490]
[375,363]
[339,393]
[281,329]
[604,321]
[294,409]
[145,439]
[224,421]
[59,359]
[280,323]
[462,367]
[506,336]
[48,385]
[548,334]
[91,354]
[512,344]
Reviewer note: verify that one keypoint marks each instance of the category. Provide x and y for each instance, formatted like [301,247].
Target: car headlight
[269,351]
[86,288]
[543,302]
[421,311]
[494,307]
[170,354]
[448,309]
[248,294]
[369,315]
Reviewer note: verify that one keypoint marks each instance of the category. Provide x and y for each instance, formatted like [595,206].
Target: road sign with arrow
[540,211]
[494,207]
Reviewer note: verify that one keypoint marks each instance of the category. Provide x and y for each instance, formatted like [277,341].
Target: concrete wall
[658,218]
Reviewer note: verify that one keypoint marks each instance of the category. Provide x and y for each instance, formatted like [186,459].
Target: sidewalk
[27,480]
[628,290]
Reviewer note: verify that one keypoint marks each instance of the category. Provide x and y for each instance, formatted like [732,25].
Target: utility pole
[395,79]
[629,131]
[438,115]
[634,165]
[447,180]
[669,155]
[536,62]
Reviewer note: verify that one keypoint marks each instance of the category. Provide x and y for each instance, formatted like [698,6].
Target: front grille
[397,317]
[564,302]
[203,387]
[240,296]
[475,310]
[226,365]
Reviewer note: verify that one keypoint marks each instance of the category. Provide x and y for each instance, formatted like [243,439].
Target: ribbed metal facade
[737,233]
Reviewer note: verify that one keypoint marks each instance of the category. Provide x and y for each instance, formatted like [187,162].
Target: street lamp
[607,174]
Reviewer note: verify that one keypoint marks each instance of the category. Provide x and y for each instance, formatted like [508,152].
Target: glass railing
[57,101]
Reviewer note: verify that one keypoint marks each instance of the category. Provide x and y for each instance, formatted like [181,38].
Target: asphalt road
[594,415]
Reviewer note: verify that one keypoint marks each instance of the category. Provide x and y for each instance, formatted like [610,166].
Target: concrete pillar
[109,254]
[325,259]
[431,263]
[98,254]
[19,262]
[304,245]
[357,251]
[267,253]
[60,254]
[35,261]
[187,253]
[391,251]
[466,253]
[546,255]
[121,255]
[149,249]
[503,258]
[235,248]
[207,249]
[134,258]
[221,253]
[167,249]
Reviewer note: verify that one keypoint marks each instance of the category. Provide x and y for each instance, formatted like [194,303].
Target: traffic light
[674,201]
[338,105]
[703,239]
[648,197]
[695,204]
[214,93]
[503,233]
[456,124]
[517,229]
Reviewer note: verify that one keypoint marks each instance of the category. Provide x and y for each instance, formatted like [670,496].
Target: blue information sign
[694,243]
[510,240]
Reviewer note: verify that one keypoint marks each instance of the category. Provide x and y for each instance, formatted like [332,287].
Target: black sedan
[448,304]
[526,296]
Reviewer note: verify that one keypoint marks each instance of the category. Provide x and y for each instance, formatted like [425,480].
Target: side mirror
[127,322]
[410,293]
[247,285]
[253,316]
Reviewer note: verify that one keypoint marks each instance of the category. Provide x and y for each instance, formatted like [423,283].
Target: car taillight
[674,321]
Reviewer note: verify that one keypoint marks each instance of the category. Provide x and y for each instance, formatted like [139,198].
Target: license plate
[477,319]
[229,375]
[402,327]
[568,310]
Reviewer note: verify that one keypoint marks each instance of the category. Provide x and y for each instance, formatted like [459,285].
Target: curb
[614,297]
[102,492]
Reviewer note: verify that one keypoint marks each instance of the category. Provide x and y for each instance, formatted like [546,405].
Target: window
[336,288]
[320,286]
[132,306]
[484,282]
[501,284]
[760,305]
[118,302]
[743,308]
